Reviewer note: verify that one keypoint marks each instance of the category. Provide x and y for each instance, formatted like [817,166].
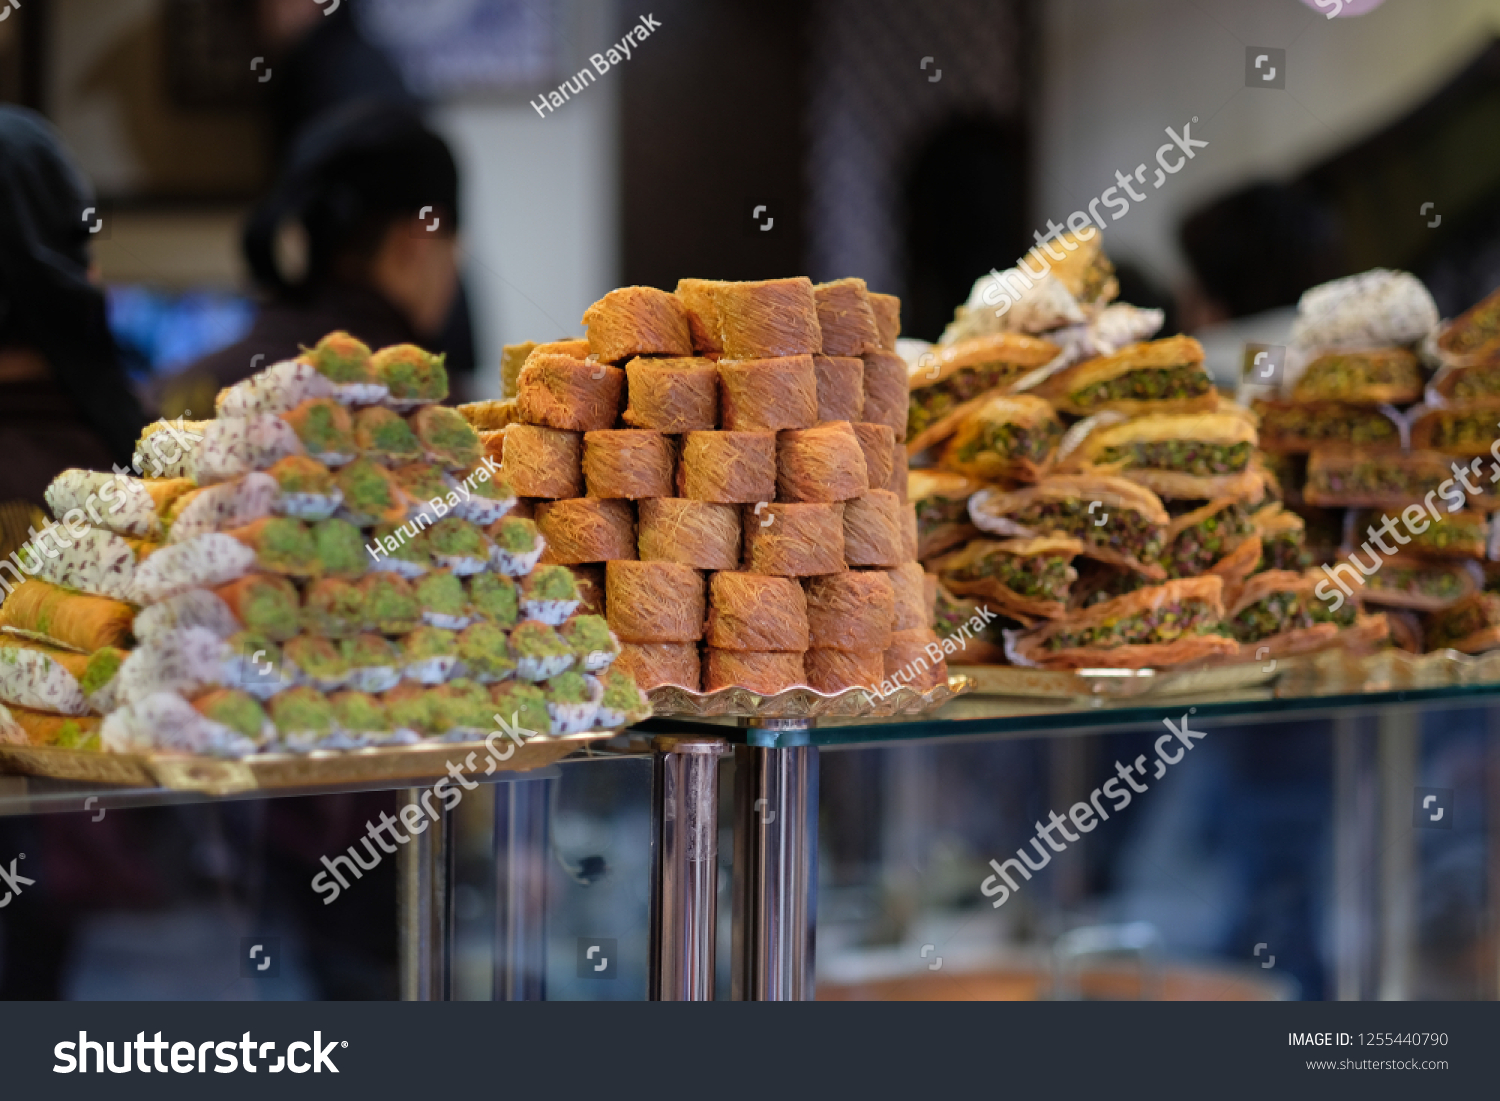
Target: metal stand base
[424,912]
[684,868]
[776,872]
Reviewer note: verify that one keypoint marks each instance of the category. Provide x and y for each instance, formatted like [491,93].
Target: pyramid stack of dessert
[330,563]
[720,465]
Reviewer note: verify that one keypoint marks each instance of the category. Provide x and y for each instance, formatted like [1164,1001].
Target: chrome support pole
[684,868]
[1356,821]
[424,904]
[521,856]
[1399,743]
[1349,937]
[775,869]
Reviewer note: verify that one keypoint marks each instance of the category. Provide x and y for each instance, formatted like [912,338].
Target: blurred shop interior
[917,146]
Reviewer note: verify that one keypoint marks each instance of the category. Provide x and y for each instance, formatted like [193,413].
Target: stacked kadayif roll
[339,566]
[724,453]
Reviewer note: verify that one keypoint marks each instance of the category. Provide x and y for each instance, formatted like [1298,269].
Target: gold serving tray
[1334,672]
[1328,672]
[285,773]
[673,701]
[1122,684]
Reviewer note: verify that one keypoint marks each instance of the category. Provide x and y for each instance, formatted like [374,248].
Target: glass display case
[1296,831]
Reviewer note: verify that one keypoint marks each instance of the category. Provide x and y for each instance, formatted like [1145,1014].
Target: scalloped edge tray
[674,701]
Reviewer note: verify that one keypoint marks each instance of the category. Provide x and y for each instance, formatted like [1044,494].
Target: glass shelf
[1301,688]
[20,795]
[993,717]
[1304,688]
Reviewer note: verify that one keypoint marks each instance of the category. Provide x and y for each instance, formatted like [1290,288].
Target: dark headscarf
[46,300]
[348,175]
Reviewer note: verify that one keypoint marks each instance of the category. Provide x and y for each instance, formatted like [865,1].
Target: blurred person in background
[1257,249]
[370,196]
[322,62]
[64,398]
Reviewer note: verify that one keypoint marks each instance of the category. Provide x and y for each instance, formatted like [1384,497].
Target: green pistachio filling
[301,708]
[299,474]
[524,706]
[1272,614]
[1203,544]
[1344,617]
[410,373]
[952,612]
[534,639]
[254,646]
[385,431]
[367,487]
[1126,532]
[568,688]
[1472,430]
[442,593]
[72,736]
[462,703]
[445,432]
[1183,456]
[1442,584]
[1478,328]
[516,536]
[318,657]
[408,547]
[1346,376]
[101,669]
[269,604]
[588,634]
[1476,383]
[410,707]
[334,609]
[1451,533]
[424,481]
[494,596]
[390,605]
[340,357]
[1013,442]
[369,651]
[453,714]
[1309,424]
[430,642]
[1284,551]
[550,583]
[936,511]
[340,548]
[1155,625]
[620,692]
[1147,384]
[452,536]
[491,486]
[930,404]
[324,427]
[1377,474]
[1036,576]
[237,710]
[359,711]
[482,647]
[286,546]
